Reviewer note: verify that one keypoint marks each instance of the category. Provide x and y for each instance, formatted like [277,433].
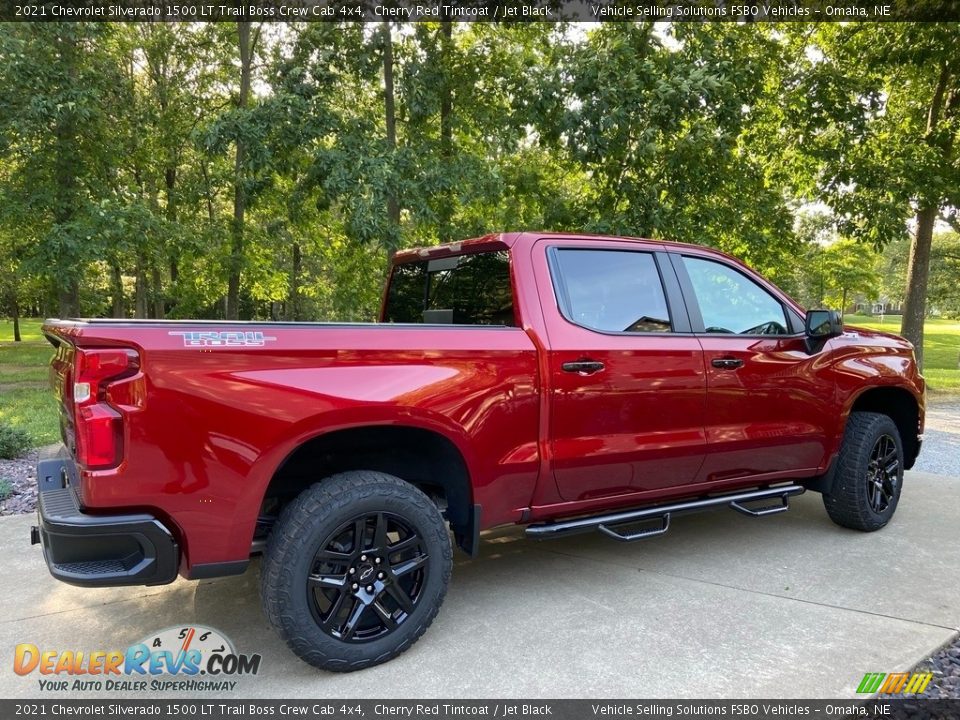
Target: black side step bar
[608,524]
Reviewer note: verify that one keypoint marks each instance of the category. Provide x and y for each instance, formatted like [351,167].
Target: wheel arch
[424,457]
[901,406]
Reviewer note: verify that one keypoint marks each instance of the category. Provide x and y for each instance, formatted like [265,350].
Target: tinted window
[730,302]
[463,290]
[612,290]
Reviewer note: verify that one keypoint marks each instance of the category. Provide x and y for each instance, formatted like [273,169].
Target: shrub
[6,488]
[14,442]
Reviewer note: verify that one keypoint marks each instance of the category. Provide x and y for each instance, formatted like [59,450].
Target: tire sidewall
[880,425]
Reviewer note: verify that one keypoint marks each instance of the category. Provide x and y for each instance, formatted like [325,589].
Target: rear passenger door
[627,383]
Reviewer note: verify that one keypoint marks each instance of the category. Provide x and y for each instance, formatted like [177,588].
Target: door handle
[727,363]
[583,367]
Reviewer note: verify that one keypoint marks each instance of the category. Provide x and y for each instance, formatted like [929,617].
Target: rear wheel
[869,477]
[355,570]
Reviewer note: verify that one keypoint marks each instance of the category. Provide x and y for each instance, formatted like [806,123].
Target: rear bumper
[97,550]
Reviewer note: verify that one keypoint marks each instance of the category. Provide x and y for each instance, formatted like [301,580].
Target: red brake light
[99,427]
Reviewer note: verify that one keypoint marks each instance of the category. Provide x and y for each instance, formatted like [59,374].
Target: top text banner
[479,11]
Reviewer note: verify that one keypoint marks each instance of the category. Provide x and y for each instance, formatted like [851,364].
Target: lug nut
[379,576]
[363,558]
[355,586]
[352,570]
[369,588]
[377,560]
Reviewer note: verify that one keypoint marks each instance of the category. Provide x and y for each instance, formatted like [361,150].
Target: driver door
[767,413]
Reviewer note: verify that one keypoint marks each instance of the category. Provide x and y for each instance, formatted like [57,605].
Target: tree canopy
[268,171]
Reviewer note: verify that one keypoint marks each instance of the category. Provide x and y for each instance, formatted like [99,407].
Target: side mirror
[823,324]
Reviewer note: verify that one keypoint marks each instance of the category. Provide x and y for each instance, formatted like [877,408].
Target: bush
[6,488]
[14,442]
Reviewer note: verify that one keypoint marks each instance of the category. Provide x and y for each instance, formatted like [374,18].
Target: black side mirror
[823,324]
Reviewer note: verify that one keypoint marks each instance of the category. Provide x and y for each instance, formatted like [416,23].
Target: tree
[876,107]
[663,132]
[848,267]
[58,85]
[944,273]
[247,37]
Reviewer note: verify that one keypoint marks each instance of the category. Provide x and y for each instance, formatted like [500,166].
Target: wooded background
[238,170]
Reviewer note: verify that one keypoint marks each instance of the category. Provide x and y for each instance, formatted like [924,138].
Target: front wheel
[869,477]
[355,570]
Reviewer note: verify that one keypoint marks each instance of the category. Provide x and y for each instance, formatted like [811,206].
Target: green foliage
[666,136]
[120,172]
[6,488]
[14,442]
[944,292]
[862,103]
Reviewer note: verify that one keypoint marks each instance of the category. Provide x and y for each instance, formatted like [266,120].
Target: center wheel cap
[365,573]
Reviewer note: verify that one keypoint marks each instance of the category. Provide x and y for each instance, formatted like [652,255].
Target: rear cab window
[472,289]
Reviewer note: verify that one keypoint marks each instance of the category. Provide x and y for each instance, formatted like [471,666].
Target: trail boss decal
[238,338]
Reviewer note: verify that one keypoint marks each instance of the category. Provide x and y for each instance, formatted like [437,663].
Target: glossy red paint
[206,428]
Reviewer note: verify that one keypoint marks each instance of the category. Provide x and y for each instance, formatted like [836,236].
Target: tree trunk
[156,284]
[66,164]
[117,306]
[170,178]
[68,296]
[918,267]
[293,300]
[140,292]
[390,120]
[446,131]
[15,309]
[918,272]
[245,44]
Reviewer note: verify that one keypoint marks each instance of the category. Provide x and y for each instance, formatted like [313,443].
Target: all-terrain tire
[291,568]
[869,475]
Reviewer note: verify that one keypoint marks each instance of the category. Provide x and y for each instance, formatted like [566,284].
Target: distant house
[881,306]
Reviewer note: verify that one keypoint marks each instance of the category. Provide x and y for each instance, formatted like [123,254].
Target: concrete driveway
[789,606]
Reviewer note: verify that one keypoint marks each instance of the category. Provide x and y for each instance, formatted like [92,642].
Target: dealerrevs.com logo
[191,658]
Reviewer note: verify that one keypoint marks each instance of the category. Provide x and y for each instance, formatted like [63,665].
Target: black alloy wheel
[355,569]
[883,473]
[367,577]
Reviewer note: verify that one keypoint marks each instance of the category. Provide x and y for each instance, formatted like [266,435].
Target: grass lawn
[26,400]
[941,346]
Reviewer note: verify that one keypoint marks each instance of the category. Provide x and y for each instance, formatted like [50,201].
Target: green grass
[29,330]
[941,347]
[33,410]
[26,401]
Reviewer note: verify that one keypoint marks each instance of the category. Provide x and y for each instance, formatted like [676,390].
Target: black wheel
[355,570]
[866,488]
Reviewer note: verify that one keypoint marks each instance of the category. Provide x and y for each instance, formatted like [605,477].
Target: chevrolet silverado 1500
[565,383]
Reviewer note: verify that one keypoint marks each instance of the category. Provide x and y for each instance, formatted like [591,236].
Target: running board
[608,524]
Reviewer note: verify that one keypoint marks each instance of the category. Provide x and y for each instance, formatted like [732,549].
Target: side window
[730,302]
[611,290]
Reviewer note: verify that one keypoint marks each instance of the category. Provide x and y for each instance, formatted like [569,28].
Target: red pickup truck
[562,382]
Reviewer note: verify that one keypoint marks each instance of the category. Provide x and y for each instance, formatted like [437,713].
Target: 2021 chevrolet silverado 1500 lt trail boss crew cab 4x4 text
[562,382]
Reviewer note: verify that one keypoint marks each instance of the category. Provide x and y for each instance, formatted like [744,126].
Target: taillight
[98,425]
